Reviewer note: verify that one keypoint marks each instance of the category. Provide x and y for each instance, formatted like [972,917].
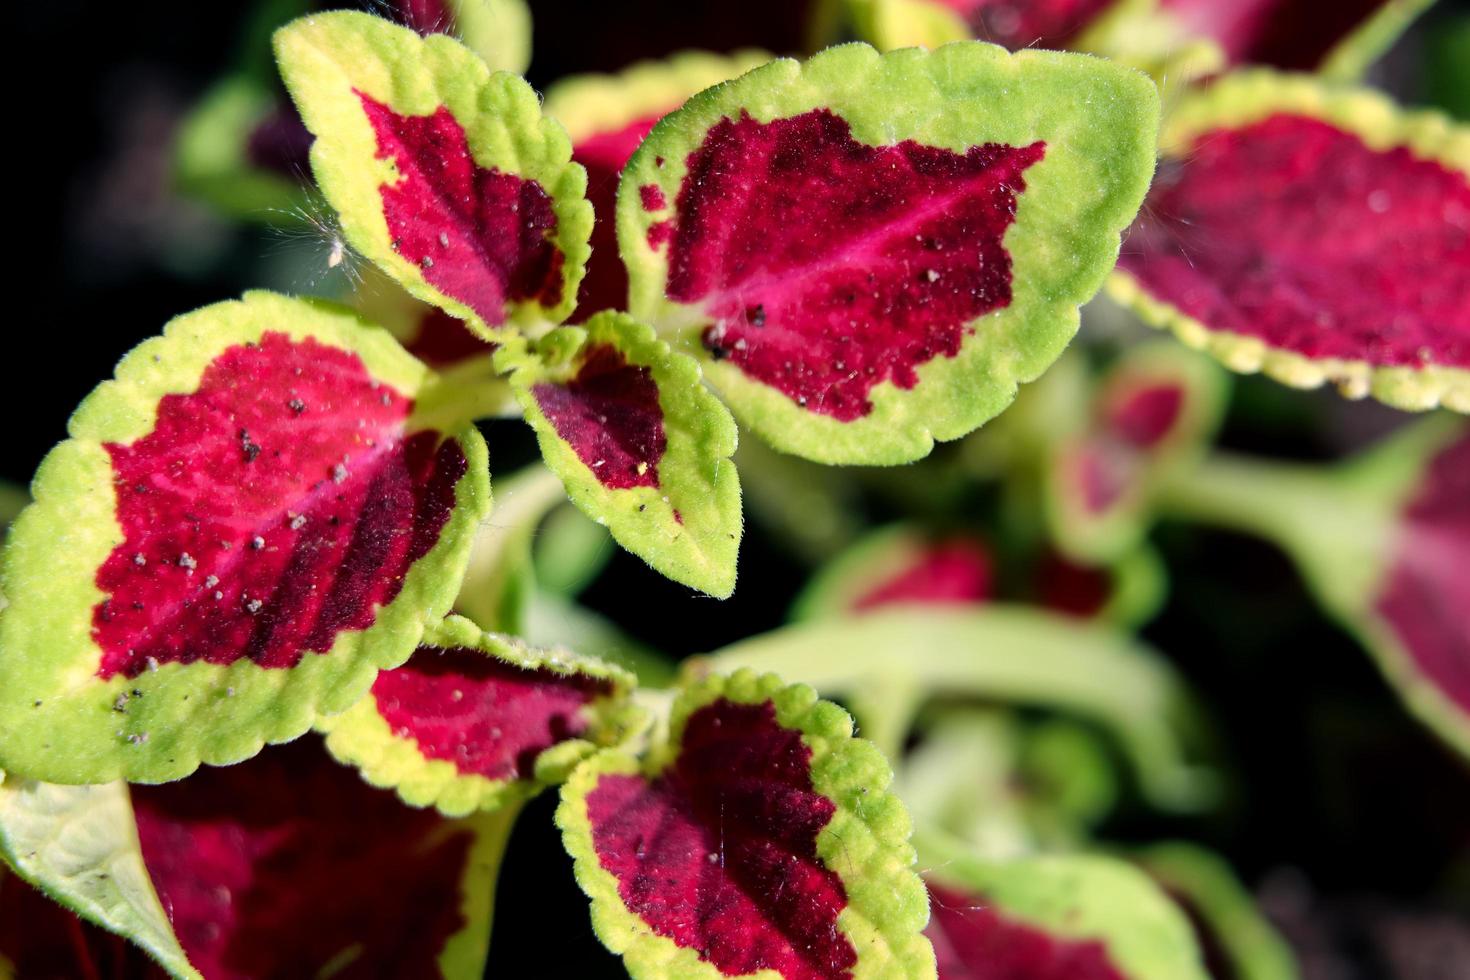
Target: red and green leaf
[1382,541]
[870,252]
[1336,39]
[1014,24]
[640,444]
[476,721]
[1153,412]
[290,865]
[444,174]
[607,116]
[1066,917]
[760,838]
[1274,192]
[499,31]
[241,531]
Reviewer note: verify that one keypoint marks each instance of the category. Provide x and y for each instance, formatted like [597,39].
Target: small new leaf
[475,720]
[444,174]
[640,444]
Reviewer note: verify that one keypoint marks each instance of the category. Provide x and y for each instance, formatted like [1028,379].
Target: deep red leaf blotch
[486,716]
[1427,591]
[610,415]
[44,941]
[974,941]
[478,235]
[826,265]
[718,853]
[269,510]
[604,154]
[1294,231]
[289,863]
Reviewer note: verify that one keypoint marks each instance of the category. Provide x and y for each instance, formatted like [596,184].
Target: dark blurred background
[1350,822]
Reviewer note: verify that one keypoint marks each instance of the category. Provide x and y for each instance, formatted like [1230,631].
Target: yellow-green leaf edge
[1077,202]
[697,478]
[866,842]
[1247,97]
[326,58]
[360,736]
[199,712]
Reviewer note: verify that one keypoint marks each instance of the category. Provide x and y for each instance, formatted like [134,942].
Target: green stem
[1280,502]
[999,653]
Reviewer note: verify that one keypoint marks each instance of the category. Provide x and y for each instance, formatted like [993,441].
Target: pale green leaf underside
[499,583]
[1080,898]
[361,736]
[79,845]
[866,842]
[1099,122]
[1010,654]
[328,59]
[688,526]
[57,717]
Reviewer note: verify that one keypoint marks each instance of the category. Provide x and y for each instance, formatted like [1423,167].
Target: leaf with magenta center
[761,837]
[639,443]
[477,721]
[1153,411]
[290,865]
[243,528]
[78,846]
[1014,24]
[1314,233]
[1062,917]
[607,116]
[1383,542]
[443,173]
[871,252]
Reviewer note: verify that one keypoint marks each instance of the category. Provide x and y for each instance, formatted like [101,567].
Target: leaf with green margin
[1154,410]
[799,782]
[1225,915]
[1380,540]
[950,104]
[1010,654]
[499,31]
[1272,306]
[517,719]
[1089,912]
[527,195]
[607,116]
[78,844]
[72,711]
[890,24]
[641,446]
[499,582]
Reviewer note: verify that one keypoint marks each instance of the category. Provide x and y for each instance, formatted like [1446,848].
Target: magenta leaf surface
[603,155]
[290,865]
[882,235]
[957,570]
[481,236]
[1426,592]
[609,413]
[272,508]
[1018,24]
[1251,230]
[41,939]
